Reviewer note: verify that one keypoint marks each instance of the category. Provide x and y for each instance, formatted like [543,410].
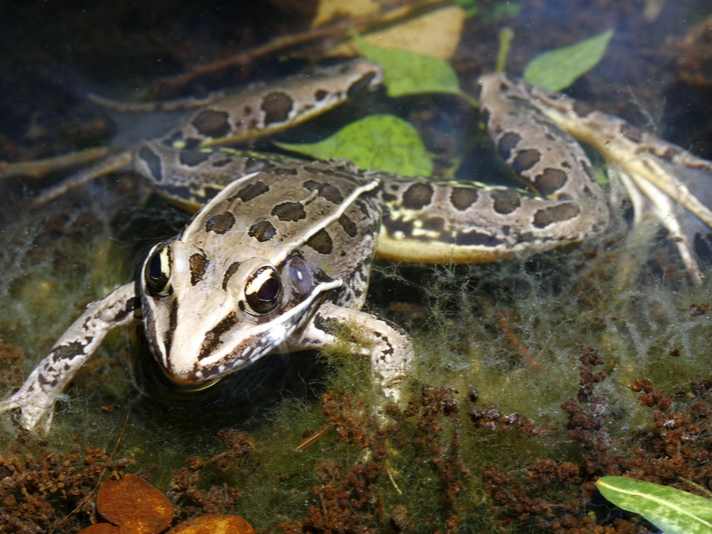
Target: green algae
[512,331]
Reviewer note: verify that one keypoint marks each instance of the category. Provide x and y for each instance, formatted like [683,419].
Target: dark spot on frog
[212,337]
[505,200]
[220,223]
[198,264]
[631,132]
[348,226]
[232,269]
[582,109]
[221,163]
[551,128]
[361,84]
[250,192]
[289,211]
[526,159]
[397,225]
[181,192]
[247,111]
[670,153]
[550,181]
[254,165]
[321,242]
[326,191]
[463,197]
[523,103]
[171,140]
[475,238]
[153,162]
[193,158]
[587,168]
[285,171]
[210,123]
[277,107]
[417,196]
[262,231]
[435,224]
[320,95]
[210,192]
[562,212]
[506,143]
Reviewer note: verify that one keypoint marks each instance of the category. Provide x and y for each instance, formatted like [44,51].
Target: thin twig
[278,43]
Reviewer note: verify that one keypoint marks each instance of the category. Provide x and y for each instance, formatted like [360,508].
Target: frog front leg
[40,392]
[387,344]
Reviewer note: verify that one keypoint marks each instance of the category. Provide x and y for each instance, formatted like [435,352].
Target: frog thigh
[361,333]
[40,392]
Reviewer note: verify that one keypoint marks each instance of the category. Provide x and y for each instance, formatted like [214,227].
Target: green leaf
[669,509]
[378,142]
[407,73]
[471,7]
[557,69]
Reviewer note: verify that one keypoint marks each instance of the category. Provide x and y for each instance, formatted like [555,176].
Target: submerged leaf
[214,524]
[101,528]
[557,69]
[378,142]
[671,510]
[134,505]
[407,73]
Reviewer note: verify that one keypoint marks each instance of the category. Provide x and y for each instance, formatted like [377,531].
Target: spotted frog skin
[278,256]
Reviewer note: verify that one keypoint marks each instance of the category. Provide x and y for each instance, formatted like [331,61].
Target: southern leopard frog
[278,257]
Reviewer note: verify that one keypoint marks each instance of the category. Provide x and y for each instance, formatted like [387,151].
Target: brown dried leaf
[214,524]
[134,505]
[101,528]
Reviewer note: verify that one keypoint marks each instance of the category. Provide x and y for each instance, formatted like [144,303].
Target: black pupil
[268,290]
[154,268]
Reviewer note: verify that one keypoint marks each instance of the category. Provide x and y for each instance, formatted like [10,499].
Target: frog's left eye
[263,291]
[158,272]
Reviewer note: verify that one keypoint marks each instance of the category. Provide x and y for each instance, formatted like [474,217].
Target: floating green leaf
[378,142]
[557,69]
[671,510]
[407,73]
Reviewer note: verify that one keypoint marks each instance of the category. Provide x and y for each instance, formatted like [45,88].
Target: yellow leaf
[330,9]
[436,33]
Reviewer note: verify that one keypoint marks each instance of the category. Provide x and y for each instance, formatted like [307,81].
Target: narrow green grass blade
[557,69]
[671,510]
[378,142]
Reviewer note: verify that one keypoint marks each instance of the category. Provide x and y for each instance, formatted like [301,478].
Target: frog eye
[263,291]
[158,271]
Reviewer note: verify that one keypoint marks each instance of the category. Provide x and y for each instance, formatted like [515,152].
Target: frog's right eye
[157,271]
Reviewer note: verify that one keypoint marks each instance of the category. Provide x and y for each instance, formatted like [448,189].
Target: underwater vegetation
[534,378]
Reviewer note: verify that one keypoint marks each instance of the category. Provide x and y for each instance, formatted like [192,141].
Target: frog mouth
[193,387]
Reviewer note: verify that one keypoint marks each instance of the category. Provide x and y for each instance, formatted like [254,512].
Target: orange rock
[214,524]
[134,505]
[101,528]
